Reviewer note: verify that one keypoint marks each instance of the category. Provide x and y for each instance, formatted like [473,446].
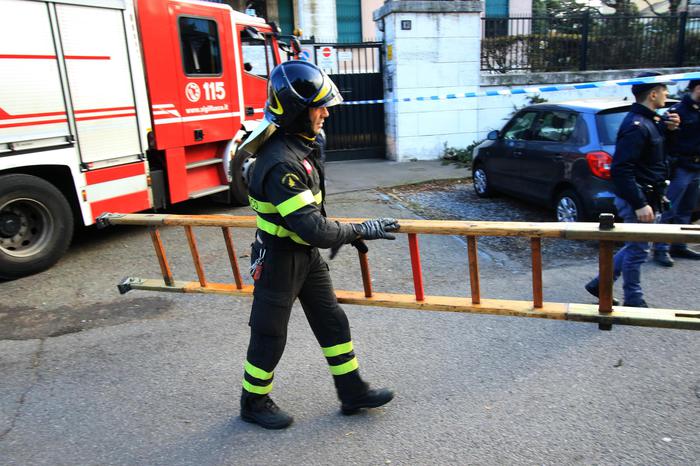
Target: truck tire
[36,225]
[240,164]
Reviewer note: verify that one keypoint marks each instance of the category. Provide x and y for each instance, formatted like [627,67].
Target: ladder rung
[208,191]
[203,163]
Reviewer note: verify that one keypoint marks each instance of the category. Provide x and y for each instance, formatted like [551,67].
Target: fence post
[680,48]
[583,58]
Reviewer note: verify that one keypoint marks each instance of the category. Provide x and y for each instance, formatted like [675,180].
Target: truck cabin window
[258,58]
[199,40]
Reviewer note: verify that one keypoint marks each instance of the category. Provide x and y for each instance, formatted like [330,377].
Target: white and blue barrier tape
[537,90]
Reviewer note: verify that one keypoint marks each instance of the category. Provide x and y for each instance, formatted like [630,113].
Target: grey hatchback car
[556,155]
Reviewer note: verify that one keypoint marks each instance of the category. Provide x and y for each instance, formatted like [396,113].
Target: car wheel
[482,186]
[569,207]
[36,225]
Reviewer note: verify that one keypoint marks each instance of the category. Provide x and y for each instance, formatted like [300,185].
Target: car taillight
[599,163]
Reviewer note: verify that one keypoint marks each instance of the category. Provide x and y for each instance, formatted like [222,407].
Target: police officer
[286,188]
[684,190]
[639,172]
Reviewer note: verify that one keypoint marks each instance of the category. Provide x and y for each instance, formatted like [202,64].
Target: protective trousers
[287,274]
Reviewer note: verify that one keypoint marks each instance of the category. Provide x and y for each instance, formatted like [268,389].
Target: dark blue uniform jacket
[639,158]
[684,145]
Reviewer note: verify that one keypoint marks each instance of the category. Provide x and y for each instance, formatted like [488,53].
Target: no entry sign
[327,58]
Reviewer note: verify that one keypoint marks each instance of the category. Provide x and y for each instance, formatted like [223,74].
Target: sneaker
[595,292]
[663,258]
[370,399]
[640,303]
[263,411]
[685,253]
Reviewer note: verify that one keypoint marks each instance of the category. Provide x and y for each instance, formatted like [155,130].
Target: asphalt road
[92,377]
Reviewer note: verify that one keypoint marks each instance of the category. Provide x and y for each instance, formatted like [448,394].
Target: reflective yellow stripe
[277,107]
[277,230]
[257,372]
[261,207]
[324,91]
[318,197]
[337,350]
[295,203]
[249,387]
[344,368]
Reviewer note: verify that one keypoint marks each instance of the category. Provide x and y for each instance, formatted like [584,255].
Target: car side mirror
[493,135]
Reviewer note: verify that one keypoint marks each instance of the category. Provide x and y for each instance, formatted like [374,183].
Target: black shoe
[595,292]
[685,253]
[371,399]
[663,258]
[263,411]
[640,303]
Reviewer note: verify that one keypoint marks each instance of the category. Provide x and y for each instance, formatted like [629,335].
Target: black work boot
[372,398]
[663,258]
[685,253]
[640,303]
[263,411]
[592,288]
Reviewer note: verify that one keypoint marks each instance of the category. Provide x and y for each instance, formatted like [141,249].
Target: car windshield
[608,124]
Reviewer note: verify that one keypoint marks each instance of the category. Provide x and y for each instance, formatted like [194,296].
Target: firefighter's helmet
[295,86]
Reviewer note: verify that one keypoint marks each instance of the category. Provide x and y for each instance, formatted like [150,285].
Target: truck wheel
[36,225]
[240,164]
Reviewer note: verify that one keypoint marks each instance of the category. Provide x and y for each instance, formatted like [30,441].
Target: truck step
[208,191]
[203,163]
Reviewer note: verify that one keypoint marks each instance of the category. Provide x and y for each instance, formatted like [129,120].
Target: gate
[354,131]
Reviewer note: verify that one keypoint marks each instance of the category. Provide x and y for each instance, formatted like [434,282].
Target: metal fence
[353,131]
[589,42]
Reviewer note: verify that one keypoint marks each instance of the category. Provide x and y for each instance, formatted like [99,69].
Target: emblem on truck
[193,92]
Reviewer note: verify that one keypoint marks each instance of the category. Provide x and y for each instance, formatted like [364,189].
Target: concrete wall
[317,18]
[520,7]
[438,55]
[369,29]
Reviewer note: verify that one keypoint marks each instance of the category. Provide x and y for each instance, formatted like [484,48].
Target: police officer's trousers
[288,274]
[683,192]
[629,259]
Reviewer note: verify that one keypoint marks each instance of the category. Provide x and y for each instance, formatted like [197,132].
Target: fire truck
[121,106]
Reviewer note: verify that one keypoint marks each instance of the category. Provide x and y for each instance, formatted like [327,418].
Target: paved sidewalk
[358,175]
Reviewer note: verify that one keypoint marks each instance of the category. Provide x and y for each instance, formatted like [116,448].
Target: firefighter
[639,172]
[286,189]
[684,190]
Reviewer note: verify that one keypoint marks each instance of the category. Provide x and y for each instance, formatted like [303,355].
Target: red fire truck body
[121,106]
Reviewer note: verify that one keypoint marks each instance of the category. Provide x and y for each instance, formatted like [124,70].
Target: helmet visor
[328,95]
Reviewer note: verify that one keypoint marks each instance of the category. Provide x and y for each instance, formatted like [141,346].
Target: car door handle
[518,153]
[558,157]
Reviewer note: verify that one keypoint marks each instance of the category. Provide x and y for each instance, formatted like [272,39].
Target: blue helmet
[295,86]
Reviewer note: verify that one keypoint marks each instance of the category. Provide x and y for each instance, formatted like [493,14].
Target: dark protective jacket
[684,145]
[287,190]
[640,159]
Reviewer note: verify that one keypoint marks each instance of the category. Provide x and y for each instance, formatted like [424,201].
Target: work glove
[357,244]
[377,228]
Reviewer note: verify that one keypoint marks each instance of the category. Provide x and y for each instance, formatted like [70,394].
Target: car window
[519,127]
[608,124]
[555,126]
